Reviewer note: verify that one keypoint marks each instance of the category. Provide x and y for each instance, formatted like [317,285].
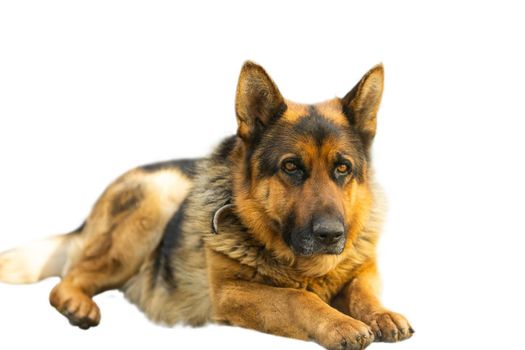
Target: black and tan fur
[292,248]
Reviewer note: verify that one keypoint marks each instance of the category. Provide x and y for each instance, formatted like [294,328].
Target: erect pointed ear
[258,100]
[361,104]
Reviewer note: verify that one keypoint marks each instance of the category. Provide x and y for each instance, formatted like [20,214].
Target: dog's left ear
[361,104]
[258,100]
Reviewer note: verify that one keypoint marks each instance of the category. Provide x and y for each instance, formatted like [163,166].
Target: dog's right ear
[258,101]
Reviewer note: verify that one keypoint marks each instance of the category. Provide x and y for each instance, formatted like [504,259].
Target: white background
[91,89]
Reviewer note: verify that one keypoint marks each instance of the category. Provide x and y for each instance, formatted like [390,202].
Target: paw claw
[79,308]
[346,334]
[390,327]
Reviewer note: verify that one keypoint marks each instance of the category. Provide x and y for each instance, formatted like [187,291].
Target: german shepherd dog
[275,231]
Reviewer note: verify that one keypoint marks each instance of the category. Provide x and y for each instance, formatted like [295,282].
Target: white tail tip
[35,261]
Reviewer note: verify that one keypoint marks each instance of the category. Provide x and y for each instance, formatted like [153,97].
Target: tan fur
[120,234]
[246,275]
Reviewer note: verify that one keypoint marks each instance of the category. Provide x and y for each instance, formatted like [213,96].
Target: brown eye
[289,166]
[342,169]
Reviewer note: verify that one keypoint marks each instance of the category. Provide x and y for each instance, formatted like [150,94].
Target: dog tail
[38,260]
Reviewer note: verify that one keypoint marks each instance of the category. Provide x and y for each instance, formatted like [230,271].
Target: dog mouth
[310,247]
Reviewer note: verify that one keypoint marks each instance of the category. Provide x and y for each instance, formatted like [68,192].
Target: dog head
[303,186]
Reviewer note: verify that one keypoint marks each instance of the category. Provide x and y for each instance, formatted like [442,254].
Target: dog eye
[289,166]
[343,169]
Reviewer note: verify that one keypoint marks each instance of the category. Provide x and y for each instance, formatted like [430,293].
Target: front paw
[345,334]
[389,326]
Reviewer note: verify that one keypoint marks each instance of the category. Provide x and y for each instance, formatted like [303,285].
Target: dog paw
[79,308]
[390,327]
[348,334]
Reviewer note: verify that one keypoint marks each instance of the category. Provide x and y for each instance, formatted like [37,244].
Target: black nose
[328,230]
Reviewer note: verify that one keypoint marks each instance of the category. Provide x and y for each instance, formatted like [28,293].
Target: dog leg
[290,313]
[360,300]
[124,228]
[108,266]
